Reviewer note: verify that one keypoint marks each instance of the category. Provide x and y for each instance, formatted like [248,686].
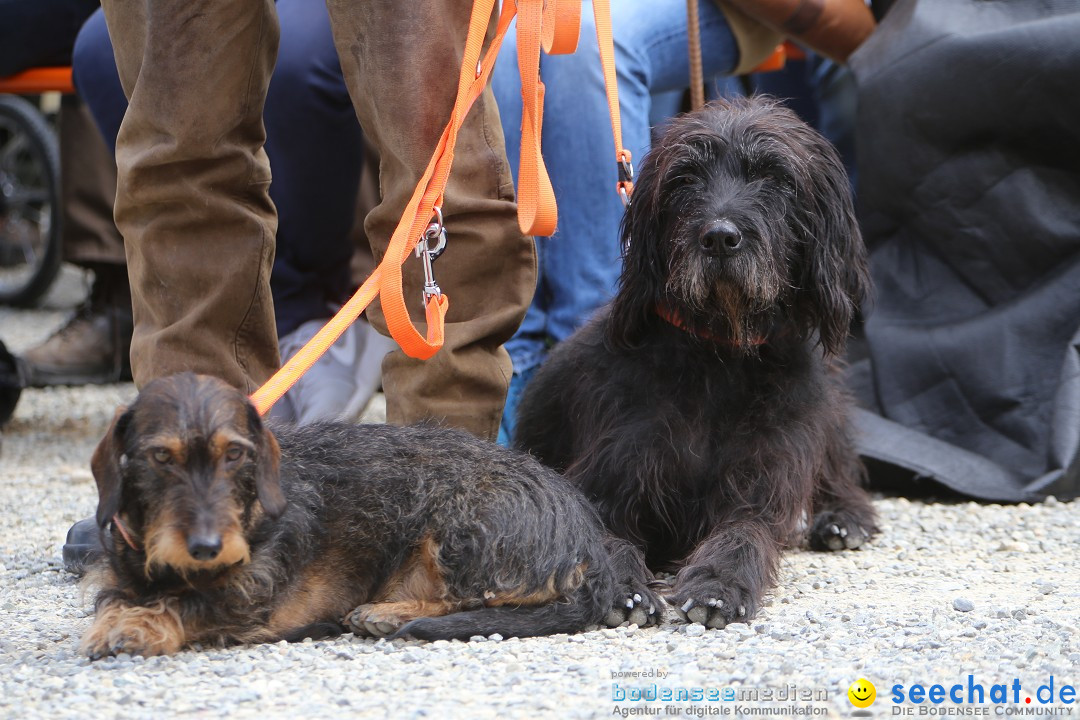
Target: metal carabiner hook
[626,178]
[429,253]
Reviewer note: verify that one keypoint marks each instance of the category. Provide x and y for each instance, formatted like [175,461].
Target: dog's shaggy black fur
[702,412]
[221,537]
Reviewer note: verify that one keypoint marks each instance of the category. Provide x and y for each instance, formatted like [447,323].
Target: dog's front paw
[838,530]
[636,606]
[711,602]
[98,644]
[100,647]
[373,620]
[136,630]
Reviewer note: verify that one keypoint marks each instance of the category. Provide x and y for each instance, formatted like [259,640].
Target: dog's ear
[107,463]
[834,279]
[267,466]
[644,263]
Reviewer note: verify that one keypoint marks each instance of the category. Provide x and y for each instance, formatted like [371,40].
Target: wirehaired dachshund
[224,531]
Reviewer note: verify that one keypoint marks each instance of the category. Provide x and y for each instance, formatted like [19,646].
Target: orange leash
[602,16]
[554,25]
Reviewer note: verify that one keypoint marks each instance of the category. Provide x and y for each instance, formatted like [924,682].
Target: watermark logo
[975,698]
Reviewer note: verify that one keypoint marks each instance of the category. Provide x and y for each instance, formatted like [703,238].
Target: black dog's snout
[205,547]
[722,239]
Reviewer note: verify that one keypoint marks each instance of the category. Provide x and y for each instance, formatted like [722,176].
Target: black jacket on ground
[969,189]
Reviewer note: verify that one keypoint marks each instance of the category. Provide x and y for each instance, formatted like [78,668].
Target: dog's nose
[204,548]
[722,239]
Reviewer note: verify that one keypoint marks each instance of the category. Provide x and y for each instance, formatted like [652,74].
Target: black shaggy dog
[225,532]
[701,412]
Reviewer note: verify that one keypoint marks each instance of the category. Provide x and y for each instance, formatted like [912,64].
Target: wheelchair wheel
[29,203]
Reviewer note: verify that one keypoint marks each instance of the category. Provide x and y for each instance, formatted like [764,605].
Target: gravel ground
[945,591]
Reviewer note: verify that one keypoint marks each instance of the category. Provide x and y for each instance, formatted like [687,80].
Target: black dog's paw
[711,602]
[636,606]
[838,530]
[635,601]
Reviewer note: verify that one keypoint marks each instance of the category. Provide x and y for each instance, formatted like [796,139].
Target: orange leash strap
[554,25]
[602,16]
[551,24]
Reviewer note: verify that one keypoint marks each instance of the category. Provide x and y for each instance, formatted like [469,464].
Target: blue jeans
[579,265]
[315,147]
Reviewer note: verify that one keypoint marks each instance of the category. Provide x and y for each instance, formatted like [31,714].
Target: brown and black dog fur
[225,532]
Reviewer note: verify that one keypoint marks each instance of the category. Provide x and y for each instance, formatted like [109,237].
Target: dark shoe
[83,547]
[93,347]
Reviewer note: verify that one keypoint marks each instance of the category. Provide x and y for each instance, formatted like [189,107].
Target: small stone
[963,605]
[1045,587]
[695,630]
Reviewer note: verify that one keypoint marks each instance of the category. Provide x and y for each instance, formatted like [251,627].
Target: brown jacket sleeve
[833,28]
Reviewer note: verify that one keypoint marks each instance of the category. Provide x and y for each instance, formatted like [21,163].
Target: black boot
[83,546]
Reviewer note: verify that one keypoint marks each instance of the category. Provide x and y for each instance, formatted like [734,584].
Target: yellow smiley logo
[862,693]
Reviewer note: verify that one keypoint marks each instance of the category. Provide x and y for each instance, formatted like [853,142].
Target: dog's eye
[778,178]
[161,456]
[234,453]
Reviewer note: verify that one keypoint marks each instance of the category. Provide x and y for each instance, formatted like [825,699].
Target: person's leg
[529,345]
[316,151]
[402,70]
[88,179]
[835,94]
[93,70]
[93,346]
[315,148]
[580,263]
[192,200]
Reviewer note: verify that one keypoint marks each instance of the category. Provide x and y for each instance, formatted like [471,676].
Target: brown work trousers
[87,190]
[199,226]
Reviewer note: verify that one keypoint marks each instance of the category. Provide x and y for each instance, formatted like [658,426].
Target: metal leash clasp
[626,177]
[429,253]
